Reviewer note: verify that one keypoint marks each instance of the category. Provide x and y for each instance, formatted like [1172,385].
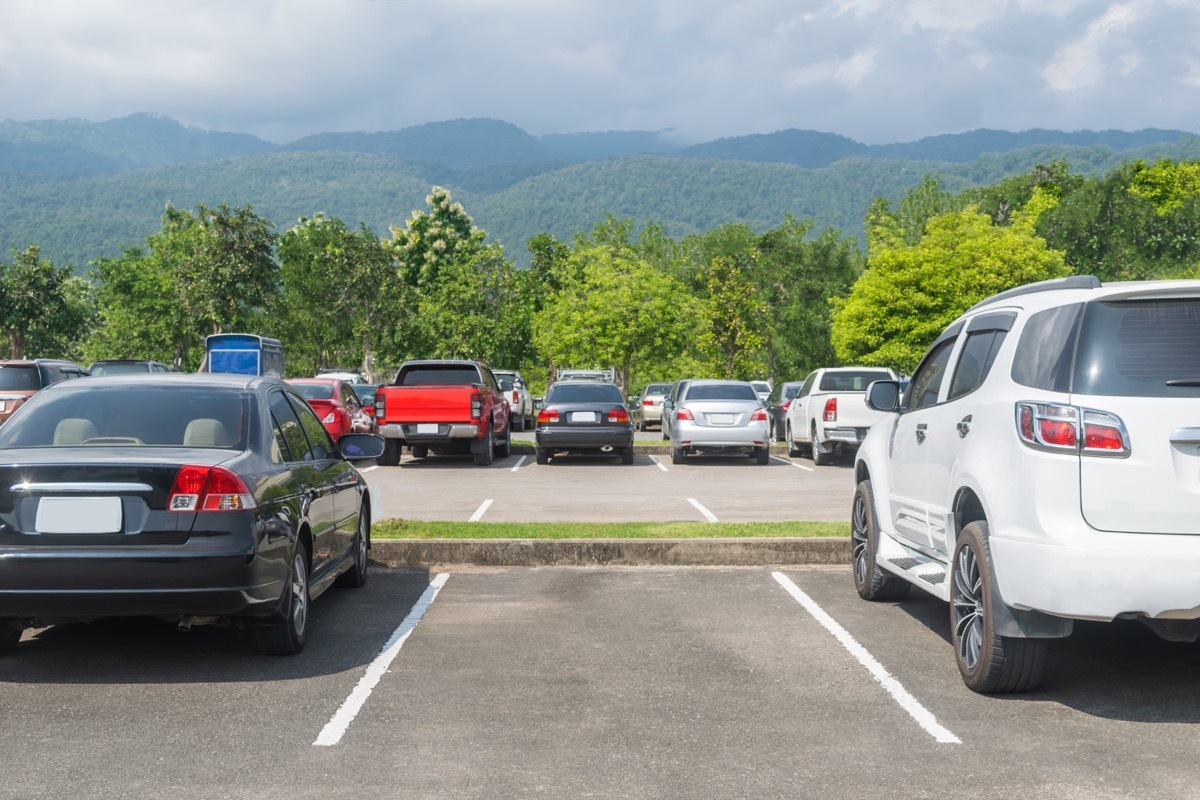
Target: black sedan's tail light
[201,488]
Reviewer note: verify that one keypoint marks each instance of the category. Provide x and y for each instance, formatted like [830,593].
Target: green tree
[737,319]
[1167,184]
[204,272]
[622,312]
[44,310]
[909,294]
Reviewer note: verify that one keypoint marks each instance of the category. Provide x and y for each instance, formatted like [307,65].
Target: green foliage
[622,312]
[909,294]
[43,309]
[1167,184]
[737,319]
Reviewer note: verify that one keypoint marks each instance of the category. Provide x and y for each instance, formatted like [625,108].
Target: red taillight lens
[618,415]
[1057,432]
[684,414]
[476,405]
[547,415]
[380,407]
[647,402]
[787,404]
[759,414]
[200,488]
[831,410]
[516,396]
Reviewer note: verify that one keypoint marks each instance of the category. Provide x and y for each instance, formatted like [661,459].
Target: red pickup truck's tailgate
[427,403]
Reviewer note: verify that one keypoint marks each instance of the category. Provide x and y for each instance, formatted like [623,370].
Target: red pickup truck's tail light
[618,415]
[476,405]
[380,406]
[830,410]
[547,415]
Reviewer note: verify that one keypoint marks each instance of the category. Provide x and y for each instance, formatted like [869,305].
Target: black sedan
[192,498]
[584,417]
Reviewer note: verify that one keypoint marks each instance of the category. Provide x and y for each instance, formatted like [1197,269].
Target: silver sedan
[724,417]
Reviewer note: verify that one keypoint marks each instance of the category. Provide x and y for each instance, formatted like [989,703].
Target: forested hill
[83,191]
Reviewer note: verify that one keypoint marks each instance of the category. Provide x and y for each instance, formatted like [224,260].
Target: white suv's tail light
[1071,429]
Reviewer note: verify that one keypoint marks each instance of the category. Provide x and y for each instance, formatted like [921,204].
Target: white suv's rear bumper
[1090,574]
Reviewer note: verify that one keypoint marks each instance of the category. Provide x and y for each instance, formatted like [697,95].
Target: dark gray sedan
[584,417]
[192,498]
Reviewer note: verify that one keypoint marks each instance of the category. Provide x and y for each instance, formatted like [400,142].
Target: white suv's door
[910,447]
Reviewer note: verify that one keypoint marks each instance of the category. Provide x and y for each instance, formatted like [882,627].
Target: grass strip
[416,529]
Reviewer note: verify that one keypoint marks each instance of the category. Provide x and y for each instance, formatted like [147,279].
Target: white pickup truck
[830,411]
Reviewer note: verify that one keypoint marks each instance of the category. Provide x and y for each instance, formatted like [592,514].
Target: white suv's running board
[920,569]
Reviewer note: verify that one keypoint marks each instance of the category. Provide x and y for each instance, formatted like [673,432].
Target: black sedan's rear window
[131,415]
[584,393]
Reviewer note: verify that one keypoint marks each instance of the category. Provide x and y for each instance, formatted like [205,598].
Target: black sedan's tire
[485,456]
[627,455]
[356,576]
[543,455]
[10,635]
[871,582]
[287,637]
[989,663]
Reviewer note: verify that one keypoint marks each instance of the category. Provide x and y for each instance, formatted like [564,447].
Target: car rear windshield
[438,375]
[314,391]
[721,391]
[22,378]
[657,388]
[1139,348]
[124,415]
[851,381]
[584,393]
[123,368]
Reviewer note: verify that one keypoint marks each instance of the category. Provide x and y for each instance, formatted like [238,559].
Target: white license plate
[583,416]
[78,515]
[721,419]
[427,427]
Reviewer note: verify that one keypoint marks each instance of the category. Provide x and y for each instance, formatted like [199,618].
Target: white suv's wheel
[871,582]
[988,662]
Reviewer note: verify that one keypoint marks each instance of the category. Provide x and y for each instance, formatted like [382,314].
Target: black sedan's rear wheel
[627,455]
[543,455]
[356,576]
[287,637]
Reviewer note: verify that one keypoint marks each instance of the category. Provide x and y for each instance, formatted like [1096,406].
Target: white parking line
[708,515]
[793,463]
[659,463]
[368,469]
[479,512]
[336,728]
[906,701]
[520,461]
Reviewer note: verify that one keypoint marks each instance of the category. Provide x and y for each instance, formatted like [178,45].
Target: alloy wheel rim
[968,608]
[361,555]
[858,539]
[299,595]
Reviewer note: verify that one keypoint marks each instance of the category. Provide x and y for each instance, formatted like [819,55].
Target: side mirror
[668,403]
[883,395]
[360,446]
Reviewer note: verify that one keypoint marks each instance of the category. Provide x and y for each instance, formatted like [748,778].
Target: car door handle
[964,426]
[921,432]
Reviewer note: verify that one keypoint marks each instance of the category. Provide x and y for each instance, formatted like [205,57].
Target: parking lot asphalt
[571,683]
[602,489]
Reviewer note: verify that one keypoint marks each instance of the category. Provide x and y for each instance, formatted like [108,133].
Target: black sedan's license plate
[79,515]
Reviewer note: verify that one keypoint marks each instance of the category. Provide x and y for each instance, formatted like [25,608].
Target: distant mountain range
[84,190]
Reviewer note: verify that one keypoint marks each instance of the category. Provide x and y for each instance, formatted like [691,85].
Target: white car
[829,414]
[520,401]
[719,417]
[1044,467]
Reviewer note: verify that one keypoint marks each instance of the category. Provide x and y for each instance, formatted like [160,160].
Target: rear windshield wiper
[1184,382]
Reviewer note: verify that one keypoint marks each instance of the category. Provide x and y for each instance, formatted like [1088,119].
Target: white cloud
[1080,64]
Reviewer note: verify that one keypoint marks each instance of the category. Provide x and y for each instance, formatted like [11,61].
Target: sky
[872,70]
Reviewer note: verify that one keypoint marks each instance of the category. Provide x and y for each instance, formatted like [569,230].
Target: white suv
[1044,467]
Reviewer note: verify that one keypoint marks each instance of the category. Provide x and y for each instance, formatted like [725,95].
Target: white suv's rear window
[1144,348]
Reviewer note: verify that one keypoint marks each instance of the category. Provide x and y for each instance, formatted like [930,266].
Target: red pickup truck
[443,407]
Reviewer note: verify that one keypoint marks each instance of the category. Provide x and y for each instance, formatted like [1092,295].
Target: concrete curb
[420,553]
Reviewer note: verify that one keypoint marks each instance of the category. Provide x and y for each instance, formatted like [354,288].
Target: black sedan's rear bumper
[54,584]
[583,438]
